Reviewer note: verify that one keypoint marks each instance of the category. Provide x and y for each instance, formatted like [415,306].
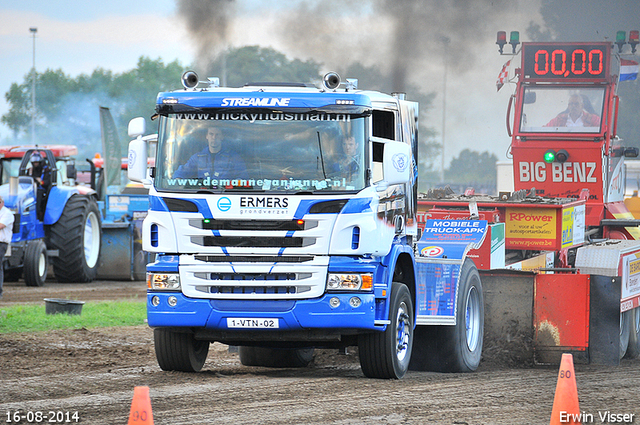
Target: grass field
[33,318]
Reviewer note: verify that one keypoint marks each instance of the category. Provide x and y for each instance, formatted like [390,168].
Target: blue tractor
[56,220]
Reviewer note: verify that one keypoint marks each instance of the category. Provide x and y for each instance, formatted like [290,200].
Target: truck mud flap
[508,317]
[604,321]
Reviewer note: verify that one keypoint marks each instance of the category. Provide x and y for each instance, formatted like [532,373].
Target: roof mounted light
[190,79]
[351,84]
[501,40]
[633,40]
[621,39]
[514,40]
[331,80]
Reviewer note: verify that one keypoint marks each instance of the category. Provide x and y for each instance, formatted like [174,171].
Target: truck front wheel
[179,351]
[275,357]
[77,237]
[387,354]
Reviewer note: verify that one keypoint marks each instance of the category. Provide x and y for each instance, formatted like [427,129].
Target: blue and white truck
[294,227]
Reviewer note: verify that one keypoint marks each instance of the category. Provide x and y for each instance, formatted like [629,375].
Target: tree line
[67,108]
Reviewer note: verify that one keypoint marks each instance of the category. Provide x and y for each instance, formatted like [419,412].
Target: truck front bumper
[173,309]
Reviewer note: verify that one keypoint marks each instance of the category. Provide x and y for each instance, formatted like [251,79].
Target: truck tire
[275,357]
[387,354]
[455,348]
[77,236]
[179,351]
[36,263]
[633,349]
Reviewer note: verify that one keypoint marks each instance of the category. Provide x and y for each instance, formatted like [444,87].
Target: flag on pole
[628,70]
[504,74]
[110,148]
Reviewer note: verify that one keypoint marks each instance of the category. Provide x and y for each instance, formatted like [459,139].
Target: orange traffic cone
[566,409]
[141,407]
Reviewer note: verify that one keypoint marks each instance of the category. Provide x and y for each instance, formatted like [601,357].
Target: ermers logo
[431,251]
[263,202]
[224,204]
[255,101]
[520,216]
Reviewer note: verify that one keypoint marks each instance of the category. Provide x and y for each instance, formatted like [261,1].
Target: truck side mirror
[137,161]
[396,164]
[631,152]
[137,127]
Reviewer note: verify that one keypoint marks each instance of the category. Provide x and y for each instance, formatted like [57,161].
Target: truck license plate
[252,323]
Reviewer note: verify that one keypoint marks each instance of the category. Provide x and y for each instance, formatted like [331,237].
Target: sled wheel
[625,331]
[275,357]
[179,351]
[386,354]
[633,349]
[77,237]
[455,348]
[36,263]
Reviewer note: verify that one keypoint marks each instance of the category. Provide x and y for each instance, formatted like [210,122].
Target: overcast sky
[80,36]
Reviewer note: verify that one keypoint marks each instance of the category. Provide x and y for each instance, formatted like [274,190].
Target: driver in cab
[215,161]
[575,115]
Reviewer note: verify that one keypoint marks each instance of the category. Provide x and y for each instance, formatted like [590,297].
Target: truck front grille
[252,283]
[252,241]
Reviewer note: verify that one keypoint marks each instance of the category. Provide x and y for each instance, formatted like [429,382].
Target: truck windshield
[264,152]
[562,110]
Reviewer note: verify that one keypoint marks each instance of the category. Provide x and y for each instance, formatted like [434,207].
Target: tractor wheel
[275,357]
[455,348]
[179,351]
[77,236]
[387,354]
[36,263]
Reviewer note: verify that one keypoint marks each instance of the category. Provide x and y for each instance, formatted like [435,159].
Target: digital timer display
[565,61]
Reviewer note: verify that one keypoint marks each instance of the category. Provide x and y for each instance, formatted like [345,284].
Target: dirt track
[94,372]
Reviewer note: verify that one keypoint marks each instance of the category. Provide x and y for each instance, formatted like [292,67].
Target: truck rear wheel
[77,237]
[275,357]
[36,263]
[179,351]
[633,349]
[455,348]
[387,354]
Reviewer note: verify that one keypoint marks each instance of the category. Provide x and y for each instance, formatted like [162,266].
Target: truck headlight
[349,282]
[163,281]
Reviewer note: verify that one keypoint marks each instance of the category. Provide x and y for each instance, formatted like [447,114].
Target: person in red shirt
[575,115]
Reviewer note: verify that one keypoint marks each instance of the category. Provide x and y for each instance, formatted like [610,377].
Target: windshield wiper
[321,156]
